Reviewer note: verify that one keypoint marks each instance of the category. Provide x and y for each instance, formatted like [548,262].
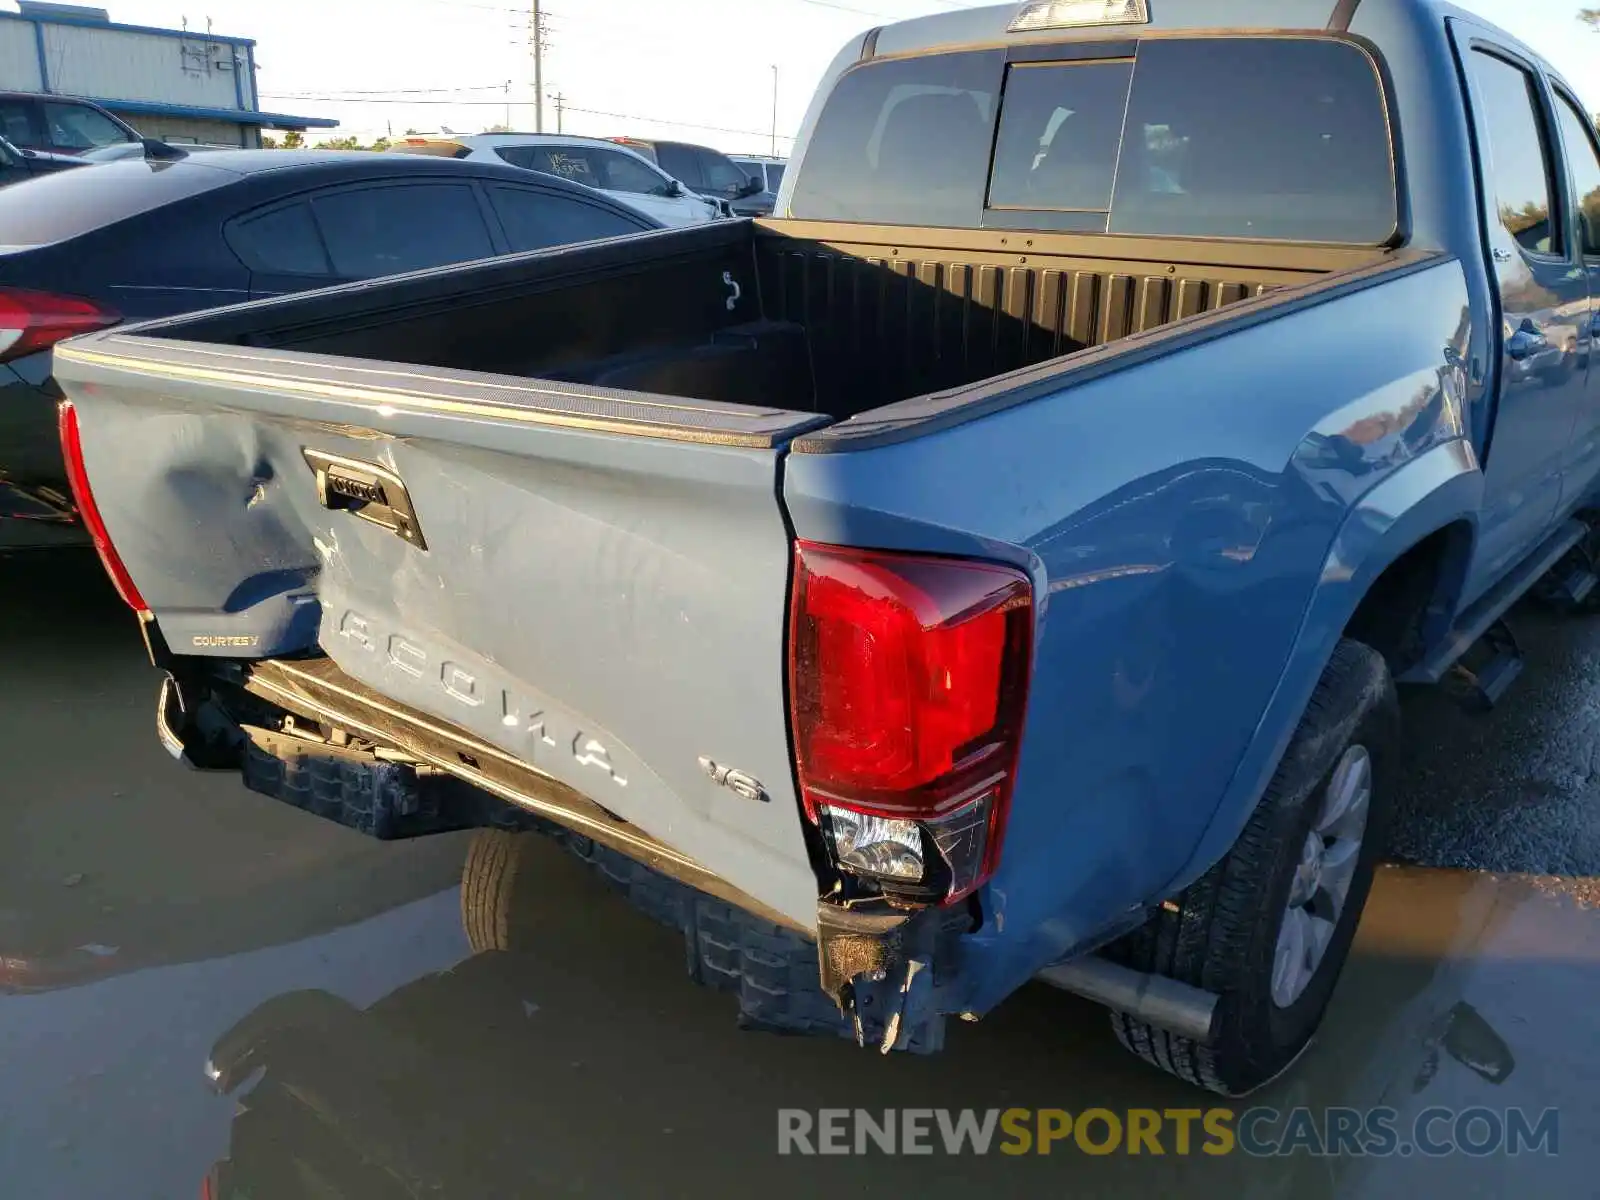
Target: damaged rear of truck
[984,570]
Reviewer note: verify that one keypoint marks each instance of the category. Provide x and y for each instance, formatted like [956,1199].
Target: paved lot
[153,920]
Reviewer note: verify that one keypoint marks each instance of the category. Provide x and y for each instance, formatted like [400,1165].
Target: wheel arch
[1414,531]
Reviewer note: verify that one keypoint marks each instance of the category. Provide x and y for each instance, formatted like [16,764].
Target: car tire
[488,889]
[1230,932]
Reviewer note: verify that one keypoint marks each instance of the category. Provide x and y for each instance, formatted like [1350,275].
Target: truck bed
[827,319]
[540,499]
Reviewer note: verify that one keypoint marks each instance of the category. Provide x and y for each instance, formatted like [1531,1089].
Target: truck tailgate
[596,584]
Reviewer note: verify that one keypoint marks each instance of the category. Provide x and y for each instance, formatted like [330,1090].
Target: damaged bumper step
[876,979]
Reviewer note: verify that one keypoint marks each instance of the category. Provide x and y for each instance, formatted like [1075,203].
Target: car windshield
[66,204]
[1246,137]
[75,128]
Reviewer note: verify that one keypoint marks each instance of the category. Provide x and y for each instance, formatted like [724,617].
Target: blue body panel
[1201,528]
[1180,566]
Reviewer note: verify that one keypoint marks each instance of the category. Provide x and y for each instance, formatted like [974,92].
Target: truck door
[1538,279]
[1582,474]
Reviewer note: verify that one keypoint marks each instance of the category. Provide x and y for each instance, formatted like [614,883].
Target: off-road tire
[1221,932]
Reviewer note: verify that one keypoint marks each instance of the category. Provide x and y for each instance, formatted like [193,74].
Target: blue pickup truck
[998,565]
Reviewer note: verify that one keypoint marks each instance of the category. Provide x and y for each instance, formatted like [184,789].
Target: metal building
[177,85]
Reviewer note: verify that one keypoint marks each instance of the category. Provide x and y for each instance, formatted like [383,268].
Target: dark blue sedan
[92,247]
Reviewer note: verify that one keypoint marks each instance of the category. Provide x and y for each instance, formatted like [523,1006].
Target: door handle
[1524,342]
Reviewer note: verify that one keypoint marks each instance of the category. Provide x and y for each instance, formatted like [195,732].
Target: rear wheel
[488,889]
[1269,927]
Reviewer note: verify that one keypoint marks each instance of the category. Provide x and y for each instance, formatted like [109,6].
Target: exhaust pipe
[1165,1003]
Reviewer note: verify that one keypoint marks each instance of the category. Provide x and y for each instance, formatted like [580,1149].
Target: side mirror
[674,189]
[752,187]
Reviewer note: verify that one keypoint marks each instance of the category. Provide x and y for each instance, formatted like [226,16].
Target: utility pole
[560,100]
[774,110]
[509,126]
[538,69]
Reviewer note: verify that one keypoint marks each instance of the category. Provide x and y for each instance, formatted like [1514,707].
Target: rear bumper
[322,695]
[894,975]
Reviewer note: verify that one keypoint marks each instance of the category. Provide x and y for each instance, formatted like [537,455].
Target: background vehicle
[623,175]
[18,165]
[118,151]
[1015,583]
[706,171]
[769,171]
[135,239]
[60,124]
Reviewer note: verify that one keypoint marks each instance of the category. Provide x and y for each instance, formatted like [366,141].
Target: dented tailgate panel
[607,607]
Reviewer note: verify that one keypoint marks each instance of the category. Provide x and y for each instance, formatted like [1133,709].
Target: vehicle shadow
[112,857]
[580,1059]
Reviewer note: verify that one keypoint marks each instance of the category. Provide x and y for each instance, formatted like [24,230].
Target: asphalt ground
[154,921]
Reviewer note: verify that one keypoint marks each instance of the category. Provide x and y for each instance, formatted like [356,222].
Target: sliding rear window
[1241,137]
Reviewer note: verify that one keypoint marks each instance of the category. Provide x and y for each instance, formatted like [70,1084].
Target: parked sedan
[625,175]
[86,249]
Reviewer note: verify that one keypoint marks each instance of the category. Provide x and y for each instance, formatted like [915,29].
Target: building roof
[93,19]
[85,21]
[238,116]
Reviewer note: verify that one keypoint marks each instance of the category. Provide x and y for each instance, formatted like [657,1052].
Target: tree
[294,140]
[1590,17]
[268,143]
[344,143]
[498,129]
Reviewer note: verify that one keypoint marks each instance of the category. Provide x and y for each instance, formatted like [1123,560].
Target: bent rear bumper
[894,975]
[317,691]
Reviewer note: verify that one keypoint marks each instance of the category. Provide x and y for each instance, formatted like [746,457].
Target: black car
[707,172]
[86,249]
[59,124]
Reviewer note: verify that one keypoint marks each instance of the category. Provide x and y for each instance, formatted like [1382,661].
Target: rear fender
[1191,523]
[1438,489]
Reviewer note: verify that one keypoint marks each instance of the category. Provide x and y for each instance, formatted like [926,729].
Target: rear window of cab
[1273,138]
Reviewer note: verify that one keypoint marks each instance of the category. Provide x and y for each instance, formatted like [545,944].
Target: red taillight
[908,679]
[78,478]
[33,321]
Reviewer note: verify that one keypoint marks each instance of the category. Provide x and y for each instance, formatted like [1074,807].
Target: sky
[696,70]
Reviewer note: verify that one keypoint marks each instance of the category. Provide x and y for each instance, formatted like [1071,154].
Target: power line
[873,12]
[865,12]
[348,98]
[401,91]
[571,108]
[594,112]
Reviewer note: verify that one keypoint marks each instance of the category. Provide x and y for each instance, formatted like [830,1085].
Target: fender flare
[1439,488]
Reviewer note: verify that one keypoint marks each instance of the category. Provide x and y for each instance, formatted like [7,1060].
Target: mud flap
[877,966]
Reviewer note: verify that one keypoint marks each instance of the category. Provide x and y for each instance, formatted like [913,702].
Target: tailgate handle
[367,491]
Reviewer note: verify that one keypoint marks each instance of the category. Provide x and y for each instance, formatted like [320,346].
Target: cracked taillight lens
[908,681]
